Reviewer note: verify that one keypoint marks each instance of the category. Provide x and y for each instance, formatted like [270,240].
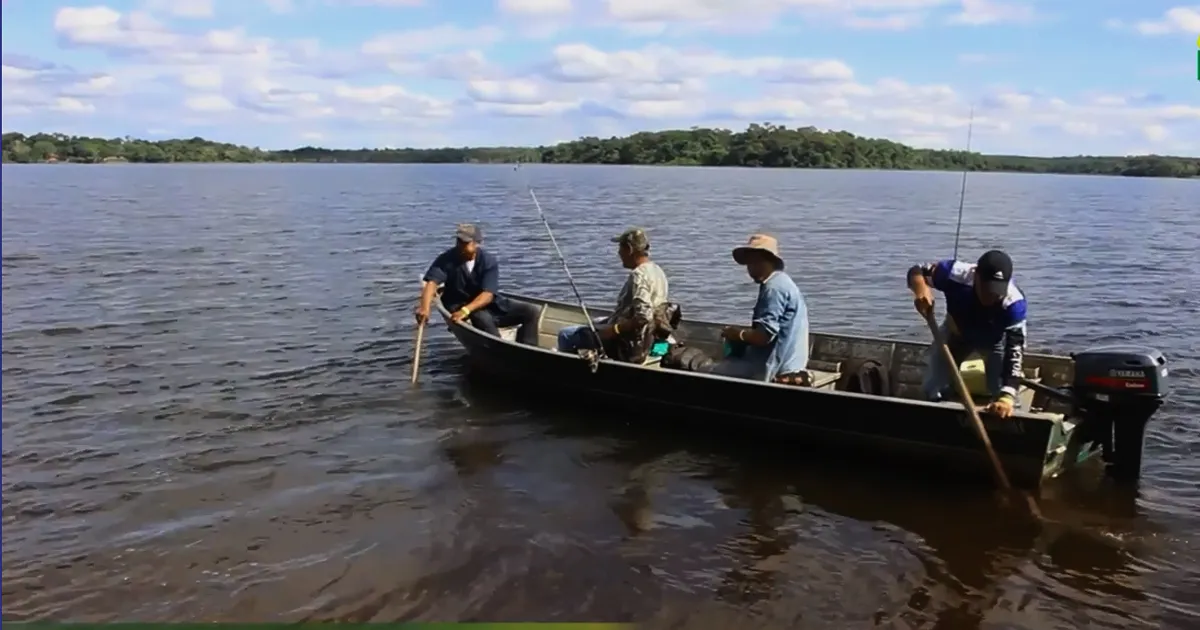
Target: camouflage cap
[468,233]
[635,239]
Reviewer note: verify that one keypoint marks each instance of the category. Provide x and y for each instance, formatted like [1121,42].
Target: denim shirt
[780,312]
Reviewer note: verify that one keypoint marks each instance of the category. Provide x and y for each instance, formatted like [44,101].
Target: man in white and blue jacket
[985,314]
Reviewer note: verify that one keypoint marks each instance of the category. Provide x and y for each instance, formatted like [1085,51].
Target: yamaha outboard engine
[1117,389]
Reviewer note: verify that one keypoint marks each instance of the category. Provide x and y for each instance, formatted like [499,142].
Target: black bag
[634,346]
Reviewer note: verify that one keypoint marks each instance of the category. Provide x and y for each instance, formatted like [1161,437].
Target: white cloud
[535,7]
[1155,133]
[515,91]
[103,26]
[202,77]
[891,22]
[438,38]
[280,6]
[14,74]
[227,73]
[1175,20]
[714,11]
[584,63]
[690,88]
[1178,112]
[985,12]
[658,17]
[447,82]
[657,109]
[1011,101]
[189,9]
[776,108]
[72,105]
[394,101]
[533,110]
[1081,128]
[381,3]
[208,103]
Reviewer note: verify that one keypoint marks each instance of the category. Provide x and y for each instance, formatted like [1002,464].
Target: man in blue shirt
[470,276]
[985,314]
[776,343]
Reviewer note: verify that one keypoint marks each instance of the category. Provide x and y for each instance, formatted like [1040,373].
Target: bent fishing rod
[570,279]
[962,193]
[952,363]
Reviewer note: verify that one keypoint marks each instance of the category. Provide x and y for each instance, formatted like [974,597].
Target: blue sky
[1045,77]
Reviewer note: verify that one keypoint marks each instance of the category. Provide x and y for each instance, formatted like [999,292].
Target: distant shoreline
[510,164]
[759,146]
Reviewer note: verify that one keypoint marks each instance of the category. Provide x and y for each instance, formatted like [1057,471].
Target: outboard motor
[1117,389]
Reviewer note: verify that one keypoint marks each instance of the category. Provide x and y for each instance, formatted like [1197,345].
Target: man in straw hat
[776,342]
[470,276]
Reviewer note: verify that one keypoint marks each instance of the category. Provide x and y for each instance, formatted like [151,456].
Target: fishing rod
[952,363]
[962,193]
[570,279]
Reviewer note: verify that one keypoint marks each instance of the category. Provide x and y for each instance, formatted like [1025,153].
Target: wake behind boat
[864,396]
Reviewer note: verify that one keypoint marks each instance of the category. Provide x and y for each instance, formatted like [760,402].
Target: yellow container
[975,377]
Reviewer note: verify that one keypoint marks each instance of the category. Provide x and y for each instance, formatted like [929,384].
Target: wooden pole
[965,398]
[416,367]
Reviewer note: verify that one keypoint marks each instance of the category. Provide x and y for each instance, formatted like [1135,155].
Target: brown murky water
[206,413]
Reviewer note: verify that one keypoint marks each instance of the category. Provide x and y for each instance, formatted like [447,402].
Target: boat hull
[937,435]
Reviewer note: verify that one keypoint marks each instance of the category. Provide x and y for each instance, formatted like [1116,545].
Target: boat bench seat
[510,334]
[824,374]
[821,375]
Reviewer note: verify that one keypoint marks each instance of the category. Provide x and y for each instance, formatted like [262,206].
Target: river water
[207,416]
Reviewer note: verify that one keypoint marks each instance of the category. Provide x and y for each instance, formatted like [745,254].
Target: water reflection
[976,559]
[472,454]
[231,437]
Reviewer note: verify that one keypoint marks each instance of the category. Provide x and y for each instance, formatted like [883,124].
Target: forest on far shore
[767,146]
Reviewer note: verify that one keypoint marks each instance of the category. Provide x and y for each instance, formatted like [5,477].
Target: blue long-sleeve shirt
[983,326]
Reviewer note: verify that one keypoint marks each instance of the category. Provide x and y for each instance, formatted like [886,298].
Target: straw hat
[759,242]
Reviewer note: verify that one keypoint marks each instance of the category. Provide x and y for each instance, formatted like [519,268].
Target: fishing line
[962,194]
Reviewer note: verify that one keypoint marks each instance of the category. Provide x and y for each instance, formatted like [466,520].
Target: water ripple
[206,411]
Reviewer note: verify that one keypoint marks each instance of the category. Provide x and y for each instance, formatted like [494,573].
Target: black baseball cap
[994,270]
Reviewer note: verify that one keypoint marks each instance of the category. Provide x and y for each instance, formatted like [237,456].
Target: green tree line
[765,145]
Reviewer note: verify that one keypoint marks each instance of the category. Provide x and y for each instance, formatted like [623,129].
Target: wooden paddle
[969,403]
[420,337]
[416,368]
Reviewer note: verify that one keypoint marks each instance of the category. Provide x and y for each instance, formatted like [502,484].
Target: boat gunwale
[942,406]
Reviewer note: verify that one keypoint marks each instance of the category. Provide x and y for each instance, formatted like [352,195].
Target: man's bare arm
[920,278]
[427,293]
[480,301]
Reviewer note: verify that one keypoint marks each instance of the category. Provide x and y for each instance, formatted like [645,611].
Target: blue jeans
[575,338]
[518,313]
[937,374]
